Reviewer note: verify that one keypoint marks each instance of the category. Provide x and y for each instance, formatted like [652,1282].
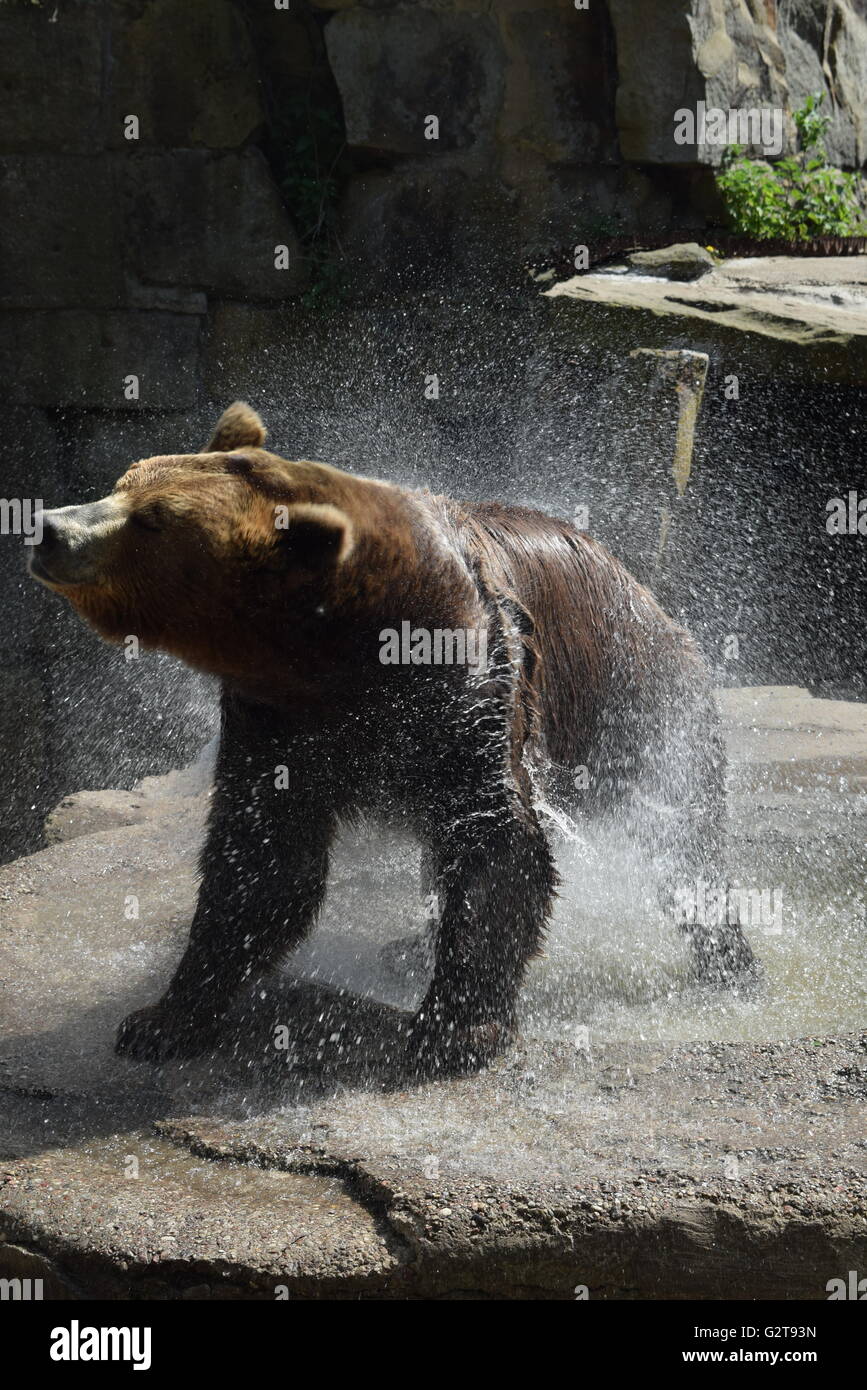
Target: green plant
[799,197]
[308,143]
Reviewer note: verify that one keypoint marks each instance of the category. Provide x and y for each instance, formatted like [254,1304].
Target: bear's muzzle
[70,541]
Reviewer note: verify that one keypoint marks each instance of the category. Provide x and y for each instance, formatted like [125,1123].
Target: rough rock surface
[731,54]
[638,1169]
[684,261]
[807,315]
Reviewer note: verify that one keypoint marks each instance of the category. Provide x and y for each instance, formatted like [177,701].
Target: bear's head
[192,552]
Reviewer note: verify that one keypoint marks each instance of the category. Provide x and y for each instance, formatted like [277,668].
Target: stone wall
[738,53]
[558,122]
[153,257]
[553,121]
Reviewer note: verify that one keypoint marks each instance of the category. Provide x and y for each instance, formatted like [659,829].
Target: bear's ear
[239,427]
[312,535]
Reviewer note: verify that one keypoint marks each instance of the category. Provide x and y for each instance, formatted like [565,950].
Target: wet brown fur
[595,635]
[584,668]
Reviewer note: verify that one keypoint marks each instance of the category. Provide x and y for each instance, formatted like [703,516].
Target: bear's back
[603,642]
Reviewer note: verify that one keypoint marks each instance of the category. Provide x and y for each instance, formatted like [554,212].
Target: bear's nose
[68,542]
[46,532]
[47,548]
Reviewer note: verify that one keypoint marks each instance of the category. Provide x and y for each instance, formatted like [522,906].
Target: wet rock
[773,316]
[654,79]
[38,1277]
[416,214]
[731,56]
[685,261]
[87,813]
[244,343]
[327,1172]
[826,50]
[91,812]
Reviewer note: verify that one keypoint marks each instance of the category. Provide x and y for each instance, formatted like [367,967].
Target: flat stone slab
[640,1166]
[810,308]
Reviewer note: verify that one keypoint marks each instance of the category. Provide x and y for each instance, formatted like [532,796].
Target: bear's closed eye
[148,521]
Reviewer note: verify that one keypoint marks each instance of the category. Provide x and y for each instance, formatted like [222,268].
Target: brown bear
[292,582]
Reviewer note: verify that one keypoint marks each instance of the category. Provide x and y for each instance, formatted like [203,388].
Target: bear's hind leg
[685,835]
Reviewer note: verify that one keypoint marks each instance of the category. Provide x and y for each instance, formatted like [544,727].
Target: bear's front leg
[496,890]
[264,869]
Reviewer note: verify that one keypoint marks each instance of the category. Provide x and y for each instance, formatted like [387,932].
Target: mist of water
[615,963]
[531,421]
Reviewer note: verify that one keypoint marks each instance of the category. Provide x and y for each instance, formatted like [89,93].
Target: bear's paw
[454,1051]
[154,1034]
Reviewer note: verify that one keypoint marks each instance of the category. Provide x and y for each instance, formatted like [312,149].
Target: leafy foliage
[799,197]
[309,142]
